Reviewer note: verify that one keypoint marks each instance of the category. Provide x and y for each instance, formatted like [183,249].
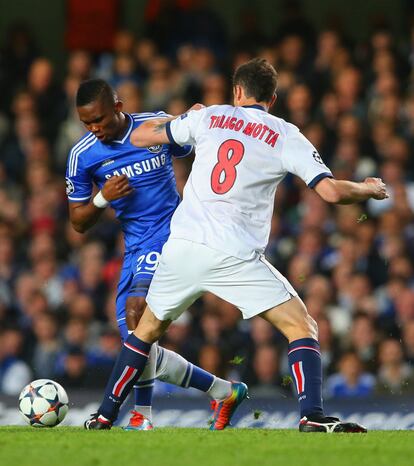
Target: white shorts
[186,270]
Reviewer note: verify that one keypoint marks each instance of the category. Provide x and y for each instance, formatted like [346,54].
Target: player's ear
[118,106]
[237,93]
[273,100]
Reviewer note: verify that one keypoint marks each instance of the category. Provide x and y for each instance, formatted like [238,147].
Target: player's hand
[196,107]
[379,190]
[116,187]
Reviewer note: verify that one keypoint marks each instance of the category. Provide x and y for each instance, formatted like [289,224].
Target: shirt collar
[127,115]
[257,106]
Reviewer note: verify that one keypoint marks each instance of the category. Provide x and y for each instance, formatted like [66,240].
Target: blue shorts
[136,276]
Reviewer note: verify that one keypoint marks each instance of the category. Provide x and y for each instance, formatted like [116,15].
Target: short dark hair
[92,90]
[258,78]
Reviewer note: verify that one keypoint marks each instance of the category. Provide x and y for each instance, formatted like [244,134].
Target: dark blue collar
[259,107]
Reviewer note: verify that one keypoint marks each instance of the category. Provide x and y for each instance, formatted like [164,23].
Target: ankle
[220,389]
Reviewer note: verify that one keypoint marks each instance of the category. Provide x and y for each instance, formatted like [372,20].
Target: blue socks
[305,365]
[127,369]
[197,378]
[143,393]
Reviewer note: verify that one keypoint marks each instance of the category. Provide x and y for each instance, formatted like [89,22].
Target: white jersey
[242,154]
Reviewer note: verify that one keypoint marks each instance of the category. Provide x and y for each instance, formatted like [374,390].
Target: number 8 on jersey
[224,174]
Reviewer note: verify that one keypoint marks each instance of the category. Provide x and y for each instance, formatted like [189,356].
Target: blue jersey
[146,213]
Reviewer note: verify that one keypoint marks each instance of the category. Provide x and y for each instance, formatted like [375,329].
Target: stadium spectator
[47,94]
[267,379]
[14,372]
[395,377]
[47,346]
[351,380]
[78,374]
[363,340]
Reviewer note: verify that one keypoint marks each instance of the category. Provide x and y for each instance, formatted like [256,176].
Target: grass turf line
[71,446]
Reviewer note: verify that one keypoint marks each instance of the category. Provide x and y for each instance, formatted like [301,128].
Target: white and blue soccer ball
[43,403]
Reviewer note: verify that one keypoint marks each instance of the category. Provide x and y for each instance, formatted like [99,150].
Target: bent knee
[311,327]
[297,323]
[302,322]
[314,325]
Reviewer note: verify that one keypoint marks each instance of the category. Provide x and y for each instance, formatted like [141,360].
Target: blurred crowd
[352,265]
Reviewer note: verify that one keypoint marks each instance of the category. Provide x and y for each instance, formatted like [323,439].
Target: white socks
[220,389]
[145,411]
[171,367]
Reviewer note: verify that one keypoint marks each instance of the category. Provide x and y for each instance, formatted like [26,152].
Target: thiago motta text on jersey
[255,130]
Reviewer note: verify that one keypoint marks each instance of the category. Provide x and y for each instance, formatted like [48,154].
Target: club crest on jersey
[155,149]
[70,188]
[317,157]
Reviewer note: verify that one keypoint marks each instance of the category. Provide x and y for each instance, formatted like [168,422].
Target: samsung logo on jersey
[138,168]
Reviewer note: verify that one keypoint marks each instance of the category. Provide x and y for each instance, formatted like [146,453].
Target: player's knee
[299,324]
[306,325]
[312,327]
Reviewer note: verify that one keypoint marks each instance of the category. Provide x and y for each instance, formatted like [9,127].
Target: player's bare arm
[151,133]
[84,215]
[349,192]
[154,132]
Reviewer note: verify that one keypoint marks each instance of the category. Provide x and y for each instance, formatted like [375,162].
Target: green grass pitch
[64,446]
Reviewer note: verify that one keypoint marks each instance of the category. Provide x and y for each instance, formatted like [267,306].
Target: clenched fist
[379,190]
[116,187]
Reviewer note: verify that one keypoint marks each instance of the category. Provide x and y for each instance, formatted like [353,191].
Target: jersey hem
[77,199]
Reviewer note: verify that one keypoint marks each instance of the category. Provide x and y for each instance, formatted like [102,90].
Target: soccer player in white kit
[220,230]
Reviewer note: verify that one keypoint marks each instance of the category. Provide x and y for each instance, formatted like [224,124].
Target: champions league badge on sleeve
[70,188]
[317,157]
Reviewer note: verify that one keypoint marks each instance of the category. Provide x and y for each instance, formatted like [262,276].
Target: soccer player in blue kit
[139,184]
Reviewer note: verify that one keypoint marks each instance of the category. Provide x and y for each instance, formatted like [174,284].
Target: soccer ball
[43,403]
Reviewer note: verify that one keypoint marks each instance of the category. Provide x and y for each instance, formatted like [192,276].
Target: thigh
[254,285]
[143,266]
[176,283]
[136,276]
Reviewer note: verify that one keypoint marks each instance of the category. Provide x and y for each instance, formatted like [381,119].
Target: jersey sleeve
[176,150]
[78,182]
[180,152]
[183,129]
[301,158]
